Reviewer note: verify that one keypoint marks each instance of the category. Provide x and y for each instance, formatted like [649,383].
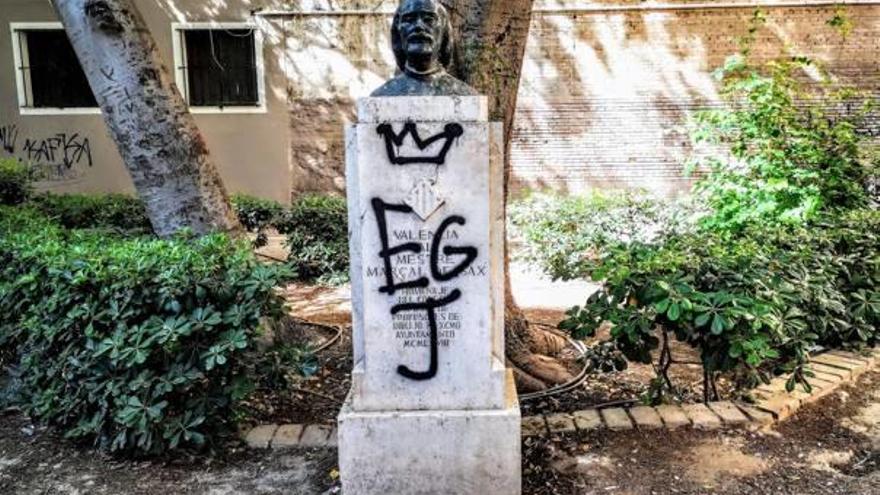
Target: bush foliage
[134,344]
[791,158]
[95,211]
[755,304]
[316,228]
[777,255]
[15,182]
[562,234]
[256,214]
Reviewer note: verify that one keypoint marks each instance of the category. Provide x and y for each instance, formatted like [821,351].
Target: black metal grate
[220,67]
[56,78]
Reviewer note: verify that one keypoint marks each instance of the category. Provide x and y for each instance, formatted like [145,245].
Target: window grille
[219,67]
[50,72]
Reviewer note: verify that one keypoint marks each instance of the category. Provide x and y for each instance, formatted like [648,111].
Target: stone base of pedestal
[430,452]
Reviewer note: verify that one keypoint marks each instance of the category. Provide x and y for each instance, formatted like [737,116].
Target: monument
[432,408]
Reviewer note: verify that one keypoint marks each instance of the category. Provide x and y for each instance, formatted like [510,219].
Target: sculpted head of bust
[421,38]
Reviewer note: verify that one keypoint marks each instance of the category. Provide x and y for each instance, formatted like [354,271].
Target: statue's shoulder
[448,85]
[395,86]
[439,85]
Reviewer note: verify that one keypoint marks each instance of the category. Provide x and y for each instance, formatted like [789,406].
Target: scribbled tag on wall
[58,157]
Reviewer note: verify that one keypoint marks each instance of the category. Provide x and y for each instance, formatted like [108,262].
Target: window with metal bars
[220,67]
[50,72]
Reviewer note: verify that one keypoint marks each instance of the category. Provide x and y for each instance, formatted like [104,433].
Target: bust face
[421,33]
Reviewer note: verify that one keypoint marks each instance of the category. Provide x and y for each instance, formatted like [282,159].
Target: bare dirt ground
[39,462]
[831,447]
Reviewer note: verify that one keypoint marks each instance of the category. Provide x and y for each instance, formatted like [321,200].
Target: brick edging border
[774,404]
[832,369]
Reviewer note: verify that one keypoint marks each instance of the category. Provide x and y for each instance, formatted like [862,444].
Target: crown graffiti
[394,140]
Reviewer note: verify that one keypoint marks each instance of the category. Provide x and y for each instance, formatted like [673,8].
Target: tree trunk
[147,117]
[492,38]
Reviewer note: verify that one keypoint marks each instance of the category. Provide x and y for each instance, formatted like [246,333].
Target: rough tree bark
[147,117]
[492,41]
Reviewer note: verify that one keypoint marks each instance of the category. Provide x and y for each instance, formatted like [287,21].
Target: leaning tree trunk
[147,117]
[489,57]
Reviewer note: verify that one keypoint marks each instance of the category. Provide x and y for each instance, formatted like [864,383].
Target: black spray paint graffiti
[394,140]
[51,159]
[62,149]
[381,209]
[430,305]
[8,137]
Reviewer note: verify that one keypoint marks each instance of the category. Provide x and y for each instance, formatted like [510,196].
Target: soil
[314,399]
[39,462]
[830,447]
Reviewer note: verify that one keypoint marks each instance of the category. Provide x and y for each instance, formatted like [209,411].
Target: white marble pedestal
[454,452]
[432,409]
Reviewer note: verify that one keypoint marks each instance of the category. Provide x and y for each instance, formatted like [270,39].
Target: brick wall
[605,94]
[607,85]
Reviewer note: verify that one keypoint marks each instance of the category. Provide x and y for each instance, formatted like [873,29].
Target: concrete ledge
[774,403]
[383,453]
[646,418]
[673,416]
[702,417]
[616,419]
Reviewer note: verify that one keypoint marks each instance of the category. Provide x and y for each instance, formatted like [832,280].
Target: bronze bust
[421,37]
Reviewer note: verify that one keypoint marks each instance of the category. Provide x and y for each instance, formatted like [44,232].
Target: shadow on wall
[331,61]
[605,97]
[317,143]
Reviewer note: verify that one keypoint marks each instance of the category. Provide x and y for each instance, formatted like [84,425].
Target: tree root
[546,342]
[544,369]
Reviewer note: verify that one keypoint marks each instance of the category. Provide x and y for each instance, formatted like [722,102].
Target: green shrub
[561,233]
[257,215]
[136,344]
[94,211]
[791,159]
[753,304]
[15,182]
[316,227]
